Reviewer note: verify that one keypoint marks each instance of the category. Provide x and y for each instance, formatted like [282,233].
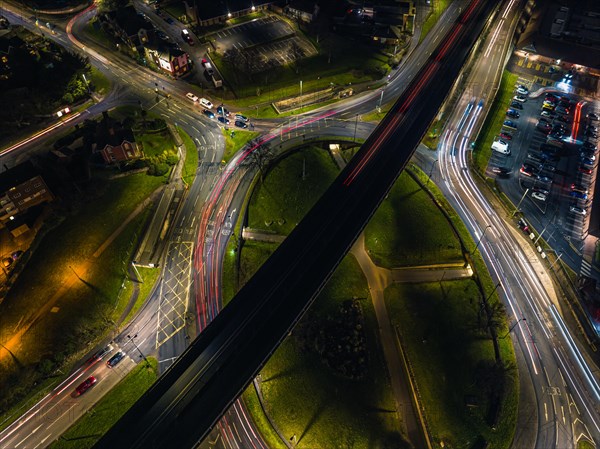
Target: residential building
[21,187]
[303,10]
[116,144]
[174,61]
[128,26]
[206,13]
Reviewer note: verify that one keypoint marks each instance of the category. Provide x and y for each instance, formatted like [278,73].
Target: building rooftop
[217,8]
[17,175]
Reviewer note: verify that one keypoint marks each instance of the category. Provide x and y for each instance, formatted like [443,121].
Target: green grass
[447,349]
[99,81]
[96,422]
[269,435]
[190,165]
[493,122]
[176,9]
[282,200]
[156,143]
[323,409]
[409,229]
[439,6]
[149,276]
[98,35]
[235,143]
[351,63]
[375,116]
[583,444]
[254,254]
[246,18]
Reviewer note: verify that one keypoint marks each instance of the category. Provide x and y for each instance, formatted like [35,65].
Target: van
[205,103]
[501,147]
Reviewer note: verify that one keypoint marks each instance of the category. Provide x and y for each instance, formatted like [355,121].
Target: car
[544,179]
[223,120]
[587,161]
[590,133]
[556,135]
[563,119]
[589,145]
[592,128]
[549,103]
[208,113]
[241,117]
[552,99]
[7,261]
[522,90]
[85,385]
[520,98]
[205,103]
[538,196]
[192,97]
[186,36]
[506,136]
[510,124]
[501,171]
[527,169]
[512,113]
[516,105]
[579,195]
[546,113]
[579,188]
[561,110]
[240,124]
[501,146]
[169,20]
[222,111]
[523,226]
[208,67]
[115,359]
[593,116]
[549,157]
[548,107]
[531,157]
[540,190]
[585,170]
[587,155]
[578,210]
[16,254]
[162,36]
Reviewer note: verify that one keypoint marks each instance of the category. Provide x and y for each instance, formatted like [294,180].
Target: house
[171,60]
[116,144]
[21,187]
[10,45]
[206,13]
[303,10]
[128,26]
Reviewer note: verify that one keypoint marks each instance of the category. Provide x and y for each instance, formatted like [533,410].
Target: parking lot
[266,43]
[551,170]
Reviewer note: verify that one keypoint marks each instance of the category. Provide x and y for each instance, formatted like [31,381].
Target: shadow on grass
[313,420]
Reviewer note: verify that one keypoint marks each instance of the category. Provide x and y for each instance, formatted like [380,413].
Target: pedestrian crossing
[586,268]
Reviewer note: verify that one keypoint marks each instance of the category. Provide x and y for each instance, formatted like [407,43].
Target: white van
[501,147]
[205,103]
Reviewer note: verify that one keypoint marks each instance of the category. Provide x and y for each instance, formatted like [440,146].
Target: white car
[501,146]
[205,103]
[578,210]
[192,97]
[522,91]
[538,196]
[520,98]
[592,116]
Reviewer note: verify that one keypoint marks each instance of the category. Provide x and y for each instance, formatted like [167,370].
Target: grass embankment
[349,63]
[453,362]
[239,139]
[100,83]
[493,122]
[408,229]
[439,6]
[375,116]
[156,143]
[149,278]
[282,200]
[190,165]
[247,18]
[96,422]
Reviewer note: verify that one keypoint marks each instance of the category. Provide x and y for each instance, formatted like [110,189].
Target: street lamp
[479,241]
[138,348]
[300,95]
[513,326]
[431,171]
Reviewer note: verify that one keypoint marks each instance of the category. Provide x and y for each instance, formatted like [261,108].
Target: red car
[506,136]
[85,385]
[586,170]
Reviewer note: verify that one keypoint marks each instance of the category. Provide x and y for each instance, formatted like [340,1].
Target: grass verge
[439,6]
[190,165]
[261,421]
[493,122]
[239,139]
[99,81]
[149,276]
[408,229]
[283,198]
[452,360]
[96,422]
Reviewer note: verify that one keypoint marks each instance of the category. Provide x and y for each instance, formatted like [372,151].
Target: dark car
[169,20]
[209,113]
[540,190]
[240,124]
[100,354]
[501,171]
[592,116]
[85,385]
[527,169]
[510,124]
[523,226]
[115,359]
[590,133]
[512,113]
[587,161]
[516,105]
[223,120]
[222,111]
[579,195]
[579,188]
[585,170]
[564,119]
[587,154]
[589,145]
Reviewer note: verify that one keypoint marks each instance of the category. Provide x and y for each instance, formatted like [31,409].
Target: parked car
[589,145]
[587,161]
[205,103]
[192,97]
[520,98]
[579,195]
[240,124]
[563,111]
[527,169]
[516,105]
[512,113]
[548,114]
[223,120]
[544,179]
[592,116]
[540,190]
[115,359]
[209,113]
[538,196]
[222,111]
[241,117]
[578,210]
[548,107]
[510,124]
[506,136]
[563,119]
[587,155]
[585,170]
[85,385]
[590,133]
[522,90]
[579,188]
[186,36]
[501,171]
